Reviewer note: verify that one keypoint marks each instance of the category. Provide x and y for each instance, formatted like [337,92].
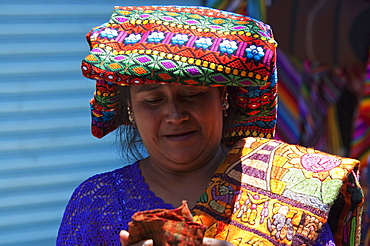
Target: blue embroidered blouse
[102,206]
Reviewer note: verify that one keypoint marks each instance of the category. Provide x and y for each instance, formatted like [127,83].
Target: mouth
[180,136]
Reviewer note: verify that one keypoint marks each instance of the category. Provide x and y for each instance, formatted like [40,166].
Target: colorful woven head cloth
[185,46]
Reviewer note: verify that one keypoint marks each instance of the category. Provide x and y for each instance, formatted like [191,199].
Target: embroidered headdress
[185,46]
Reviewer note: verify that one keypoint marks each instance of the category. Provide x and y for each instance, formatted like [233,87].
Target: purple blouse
[102,206]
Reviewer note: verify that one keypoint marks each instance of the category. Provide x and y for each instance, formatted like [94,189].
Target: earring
[225,105]
[131,117]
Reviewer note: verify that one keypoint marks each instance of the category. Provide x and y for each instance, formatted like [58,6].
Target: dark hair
[131,145]
[127,135]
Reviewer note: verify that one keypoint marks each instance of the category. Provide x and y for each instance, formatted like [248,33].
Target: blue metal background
[46,148]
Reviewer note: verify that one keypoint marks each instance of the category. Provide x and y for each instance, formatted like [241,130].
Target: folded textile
[166,227]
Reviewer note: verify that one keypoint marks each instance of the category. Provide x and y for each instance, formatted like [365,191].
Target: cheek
[147,123]
[212,118]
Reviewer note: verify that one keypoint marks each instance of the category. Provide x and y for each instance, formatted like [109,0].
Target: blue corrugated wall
[46,148]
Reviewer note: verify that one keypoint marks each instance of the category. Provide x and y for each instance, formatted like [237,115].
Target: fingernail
[148,243]
[207,241]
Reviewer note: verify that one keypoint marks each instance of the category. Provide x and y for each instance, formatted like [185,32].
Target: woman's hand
[215,242]
[206,241]
[123,236]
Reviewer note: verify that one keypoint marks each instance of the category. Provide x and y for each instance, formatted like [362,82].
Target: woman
[198,86]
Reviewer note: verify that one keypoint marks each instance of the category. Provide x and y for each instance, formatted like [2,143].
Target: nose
[175,113]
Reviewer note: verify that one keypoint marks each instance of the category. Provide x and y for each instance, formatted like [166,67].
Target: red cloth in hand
[166,227]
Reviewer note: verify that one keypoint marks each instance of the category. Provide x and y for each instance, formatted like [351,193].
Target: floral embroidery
[228,46]
[319,163]
[132,39]
[180,39]
[109,33]
[255,52]
[294,215]
[156,37]
[203,43]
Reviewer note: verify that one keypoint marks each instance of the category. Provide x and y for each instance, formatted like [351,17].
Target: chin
[185,159]
[182,159]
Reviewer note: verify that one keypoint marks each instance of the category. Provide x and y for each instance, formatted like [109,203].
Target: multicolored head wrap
[183,45]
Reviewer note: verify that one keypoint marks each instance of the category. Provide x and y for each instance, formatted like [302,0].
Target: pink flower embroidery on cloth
[319,163]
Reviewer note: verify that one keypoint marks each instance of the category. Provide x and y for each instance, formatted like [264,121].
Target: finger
[148,243]
[215,242]
[123,238]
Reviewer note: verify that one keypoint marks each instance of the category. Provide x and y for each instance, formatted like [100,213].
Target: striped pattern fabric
[307,98]
[361,138]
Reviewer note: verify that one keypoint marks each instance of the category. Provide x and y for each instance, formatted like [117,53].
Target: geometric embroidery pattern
[187,46]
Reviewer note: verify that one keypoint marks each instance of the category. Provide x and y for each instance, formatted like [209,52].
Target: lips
[180,136]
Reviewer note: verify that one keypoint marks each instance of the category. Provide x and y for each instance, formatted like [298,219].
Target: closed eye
[192,96]
[154,101]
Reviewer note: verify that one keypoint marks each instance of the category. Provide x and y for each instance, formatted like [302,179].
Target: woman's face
[180,126]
